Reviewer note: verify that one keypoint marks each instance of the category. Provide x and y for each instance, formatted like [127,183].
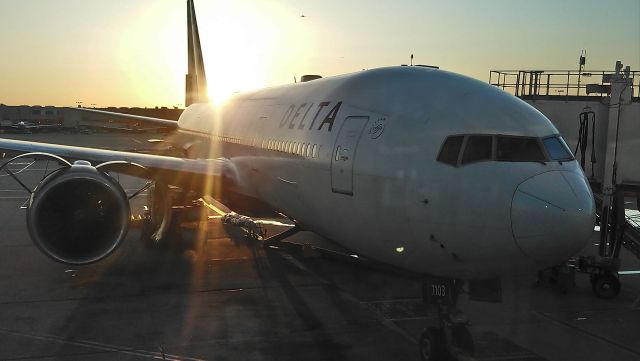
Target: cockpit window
[519,149]
[504,148]
[450,150]
[557,149]
[478,148]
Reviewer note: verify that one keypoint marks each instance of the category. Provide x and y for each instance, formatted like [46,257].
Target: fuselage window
[314,151]
[478,148]
[519,149]
[450,150]
[557,149]
[305,152]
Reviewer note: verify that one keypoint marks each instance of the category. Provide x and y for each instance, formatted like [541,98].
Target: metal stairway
[631,232]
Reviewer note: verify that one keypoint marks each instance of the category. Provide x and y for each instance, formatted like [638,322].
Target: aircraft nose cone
[553,215]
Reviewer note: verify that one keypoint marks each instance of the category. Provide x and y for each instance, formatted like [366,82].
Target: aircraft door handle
[345,155]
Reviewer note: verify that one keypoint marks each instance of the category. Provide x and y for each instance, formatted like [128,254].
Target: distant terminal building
[65,117]
[37,115]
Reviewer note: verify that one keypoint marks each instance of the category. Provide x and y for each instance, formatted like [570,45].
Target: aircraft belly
[348,219]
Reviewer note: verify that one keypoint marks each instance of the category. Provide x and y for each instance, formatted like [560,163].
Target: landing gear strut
[603,273]
[451,339]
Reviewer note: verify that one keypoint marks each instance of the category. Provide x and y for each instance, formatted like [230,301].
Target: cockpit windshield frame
[545,154]
[569,156]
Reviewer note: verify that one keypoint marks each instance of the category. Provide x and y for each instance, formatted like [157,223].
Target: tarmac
[216,294]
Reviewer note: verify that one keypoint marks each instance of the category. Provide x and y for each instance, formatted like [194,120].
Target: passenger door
[344,153]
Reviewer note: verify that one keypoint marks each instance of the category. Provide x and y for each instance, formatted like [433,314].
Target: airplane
[22,125]
[27,127]
[421,169]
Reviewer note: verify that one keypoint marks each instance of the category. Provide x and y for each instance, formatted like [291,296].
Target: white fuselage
[354,159]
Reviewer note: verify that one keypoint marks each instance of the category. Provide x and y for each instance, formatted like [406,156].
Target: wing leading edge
[186,173]
[104,115]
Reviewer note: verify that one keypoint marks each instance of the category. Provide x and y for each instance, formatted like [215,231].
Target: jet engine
[78,214]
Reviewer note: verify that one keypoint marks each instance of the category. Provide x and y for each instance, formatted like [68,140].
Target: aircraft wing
[188,173]
[93,114]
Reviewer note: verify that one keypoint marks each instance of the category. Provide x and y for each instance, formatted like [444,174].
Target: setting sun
[243,40]
[244,45]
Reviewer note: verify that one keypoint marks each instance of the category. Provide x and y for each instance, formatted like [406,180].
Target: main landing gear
[451,340]
[167,209]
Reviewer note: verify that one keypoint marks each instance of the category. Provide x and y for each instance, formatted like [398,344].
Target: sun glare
[244,45]
[241,41]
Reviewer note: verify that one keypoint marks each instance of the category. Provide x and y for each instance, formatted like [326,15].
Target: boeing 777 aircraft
[414,167]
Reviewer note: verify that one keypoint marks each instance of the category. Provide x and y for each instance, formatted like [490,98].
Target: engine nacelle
[78,215]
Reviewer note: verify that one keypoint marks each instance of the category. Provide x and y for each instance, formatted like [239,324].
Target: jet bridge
[598,114]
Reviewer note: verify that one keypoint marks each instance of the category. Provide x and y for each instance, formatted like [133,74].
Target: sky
[133,52]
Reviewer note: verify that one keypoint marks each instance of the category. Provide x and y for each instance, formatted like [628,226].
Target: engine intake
[78,215]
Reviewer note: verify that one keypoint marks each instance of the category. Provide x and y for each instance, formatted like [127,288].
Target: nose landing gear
[451,340]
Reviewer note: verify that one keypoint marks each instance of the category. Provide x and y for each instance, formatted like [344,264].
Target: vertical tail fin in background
[196,80]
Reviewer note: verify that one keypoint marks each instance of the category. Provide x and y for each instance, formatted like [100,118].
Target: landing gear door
[344,153]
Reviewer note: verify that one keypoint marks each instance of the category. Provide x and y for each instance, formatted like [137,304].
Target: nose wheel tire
[432,345]
[605,285]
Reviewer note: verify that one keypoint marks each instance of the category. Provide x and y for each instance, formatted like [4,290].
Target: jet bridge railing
[567,83]
[625,223]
